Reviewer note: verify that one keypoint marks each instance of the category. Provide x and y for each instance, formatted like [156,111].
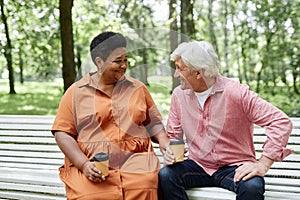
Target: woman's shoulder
[134,81]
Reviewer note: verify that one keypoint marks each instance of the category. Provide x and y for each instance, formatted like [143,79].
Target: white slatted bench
[29,161]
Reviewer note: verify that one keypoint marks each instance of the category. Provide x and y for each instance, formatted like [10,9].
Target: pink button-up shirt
[222,132]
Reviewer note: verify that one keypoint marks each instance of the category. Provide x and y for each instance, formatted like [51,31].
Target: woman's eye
[120,62]
[117,61]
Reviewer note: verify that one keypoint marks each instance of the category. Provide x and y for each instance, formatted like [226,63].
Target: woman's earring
[99,72]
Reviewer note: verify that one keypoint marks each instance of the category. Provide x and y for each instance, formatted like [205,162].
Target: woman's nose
[123,64]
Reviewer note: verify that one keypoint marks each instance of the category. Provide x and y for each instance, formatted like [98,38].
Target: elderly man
[216,116]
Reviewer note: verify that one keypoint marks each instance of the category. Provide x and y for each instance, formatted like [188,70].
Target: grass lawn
[42,98]
[32,98]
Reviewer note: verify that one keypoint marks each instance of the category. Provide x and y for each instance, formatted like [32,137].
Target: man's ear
[199,74]
[99,61]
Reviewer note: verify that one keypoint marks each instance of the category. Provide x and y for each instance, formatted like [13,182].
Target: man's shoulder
[180,92]
[233,82]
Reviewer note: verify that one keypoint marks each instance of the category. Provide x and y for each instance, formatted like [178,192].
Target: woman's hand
[168,156]
[92,173]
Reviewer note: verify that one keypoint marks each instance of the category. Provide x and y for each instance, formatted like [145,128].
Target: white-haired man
[216,115]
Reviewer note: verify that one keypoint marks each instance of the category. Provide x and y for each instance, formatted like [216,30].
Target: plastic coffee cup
[101,162]
[177,148]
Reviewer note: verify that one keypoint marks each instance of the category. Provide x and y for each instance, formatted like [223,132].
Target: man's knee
[165,173]
[254,187]
[255,184]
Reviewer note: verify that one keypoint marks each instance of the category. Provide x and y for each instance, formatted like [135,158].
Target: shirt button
[209,133]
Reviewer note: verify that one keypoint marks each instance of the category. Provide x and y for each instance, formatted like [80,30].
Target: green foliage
[284,100]
[32,98]
[160,88]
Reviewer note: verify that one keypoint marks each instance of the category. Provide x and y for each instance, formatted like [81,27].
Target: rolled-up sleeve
[277,138]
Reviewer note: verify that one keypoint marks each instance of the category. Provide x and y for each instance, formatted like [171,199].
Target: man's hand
[249,170]
[92,173]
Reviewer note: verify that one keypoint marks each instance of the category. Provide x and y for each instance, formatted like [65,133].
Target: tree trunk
[211,27]
[187,26]
[7,51]
[236,44]
[173,38]
[226,68]
[21,66]
[144,68]
[68,69]
[79,63]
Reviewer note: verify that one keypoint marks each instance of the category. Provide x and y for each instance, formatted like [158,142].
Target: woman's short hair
[198,55]
[104,43]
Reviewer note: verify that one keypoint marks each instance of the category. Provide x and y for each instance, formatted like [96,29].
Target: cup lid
[101,157]
[176,142]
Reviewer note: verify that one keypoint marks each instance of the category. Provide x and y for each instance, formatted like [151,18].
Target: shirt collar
[92,79]
[218,86]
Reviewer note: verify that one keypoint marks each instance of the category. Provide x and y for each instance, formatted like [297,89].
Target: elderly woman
[107,111]
[216,116]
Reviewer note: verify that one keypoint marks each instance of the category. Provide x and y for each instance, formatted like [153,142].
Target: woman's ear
[99,61]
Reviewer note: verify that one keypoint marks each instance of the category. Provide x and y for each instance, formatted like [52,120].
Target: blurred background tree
[257,41]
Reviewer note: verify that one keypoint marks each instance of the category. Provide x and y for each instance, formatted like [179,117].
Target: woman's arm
[70,148]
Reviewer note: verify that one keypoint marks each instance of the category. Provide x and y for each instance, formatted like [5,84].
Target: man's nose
[176,73]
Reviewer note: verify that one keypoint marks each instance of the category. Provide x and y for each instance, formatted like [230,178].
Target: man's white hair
[198,55]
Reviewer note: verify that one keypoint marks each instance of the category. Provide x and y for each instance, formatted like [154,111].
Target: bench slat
[215,193]
[294,157]
[33,188]
[41,161]
[28,196]
[39,177]
[287,165]
[19,119]
[26,133]
[31,166]
[29,140]
[282,181]
[22,127]
[30,147]
[281,188]
[210,193]
[295,147]
[271,195]
[283,173]
[30,154]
